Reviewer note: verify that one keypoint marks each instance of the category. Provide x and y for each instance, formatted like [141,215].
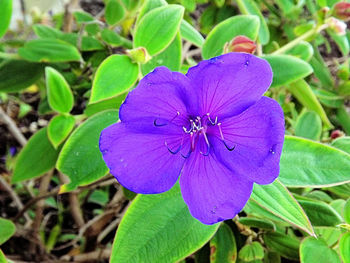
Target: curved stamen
[207,153]
[158,125]
[229,148]
[207,143]
[187,155]
[210,120]
[171,151]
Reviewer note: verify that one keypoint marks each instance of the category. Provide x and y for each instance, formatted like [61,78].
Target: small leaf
[347,211]
[83,17]
[5,16]
[344,244]
[80,158]
[287,69]
[158,28]
[250,252]
[309,126]
[329,99]
[114,76]
[341,41]
[285,245]
[44,31]
[148,6]
[306,163]
[170,57]
[59,94]
[258,223]
[329,234]
[249,7]
[49,50]
[304,94]
[278,200]
[321,71]
[303,51]
[320,213]
[7,229]
[227,30]
[110,104]
[59,128]
[23,74]
[223,247]
[316,250]
[159,228]
[114,12]
[36,158]
[190,34]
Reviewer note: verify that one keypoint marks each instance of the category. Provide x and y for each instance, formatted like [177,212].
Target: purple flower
[211,127]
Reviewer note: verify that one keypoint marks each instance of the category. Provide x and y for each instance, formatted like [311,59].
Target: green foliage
[7,229]
[5,15]
[223,246]
[314,250]
[59,128]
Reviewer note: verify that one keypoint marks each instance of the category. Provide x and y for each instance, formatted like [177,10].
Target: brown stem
[11,125]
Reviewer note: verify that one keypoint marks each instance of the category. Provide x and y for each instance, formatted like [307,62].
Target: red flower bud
[338,26]
[342,10]
[336,134]
[241,44]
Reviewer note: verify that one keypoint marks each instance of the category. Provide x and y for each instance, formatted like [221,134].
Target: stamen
[210,120]
[208,145]
[171,151]
[228,148]
[160,125]
[223,139]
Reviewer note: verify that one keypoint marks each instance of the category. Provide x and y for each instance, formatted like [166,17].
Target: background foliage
[63,76]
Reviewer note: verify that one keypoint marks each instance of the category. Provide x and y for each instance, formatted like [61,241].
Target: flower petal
[161,95]
[227,85]
[257,135]
[142,162]
[211,191]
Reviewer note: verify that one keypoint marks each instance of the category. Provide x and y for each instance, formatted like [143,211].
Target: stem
[296,41]
[9,55]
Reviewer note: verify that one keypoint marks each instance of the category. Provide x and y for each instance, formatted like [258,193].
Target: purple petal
[229,84]
[211,191]
[142,162]
[161,95]
[257,135]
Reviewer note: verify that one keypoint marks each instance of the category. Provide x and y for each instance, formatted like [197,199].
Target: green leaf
[88,43]
[343,118]
[341,41]
[304,94]
[329,234]
[111,37]
[170,57]
[328,98]
[36,158]
[7,229]
[278,200]
[227,30]
[159,228]
[110,104]
[308,125]
[347,211]
[258,223]
[83,17]
[316,250]
[306,163]
[321,71]
[23,74]
[158,28]
[80,158]
[59,128]
[249,7]
[250,252]
[114,76]
[223,247]
[190,34]
[285,245]
[287,69]
[49,50]
[2,257]
[114,12]
[320,213]
[5,16]
[344,244]
[303,51]
[148,6]
[44,31]
[59,94]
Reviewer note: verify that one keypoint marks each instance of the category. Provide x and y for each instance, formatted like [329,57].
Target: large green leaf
[36,158]
[278,200]
[7,229]
[304,94]
[49,50]
[80,158]
[189,33]
[60,96]
[170,57]
[316,250]
[158,28]
[285,245]
[344,245]
[287,69]
[227,30]
[59,128]
[159,228]
[223,246]
[16,75]
[306,163]
[5,15]
[114,76]
[249,7]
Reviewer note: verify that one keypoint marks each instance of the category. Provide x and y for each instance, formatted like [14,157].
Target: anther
[158,125]
[229,148]
[171,151]
[210,120]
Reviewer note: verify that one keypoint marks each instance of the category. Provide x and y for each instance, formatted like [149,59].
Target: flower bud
[336,134]
[139,55]
[341,10]
[240,44]
[339,27]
